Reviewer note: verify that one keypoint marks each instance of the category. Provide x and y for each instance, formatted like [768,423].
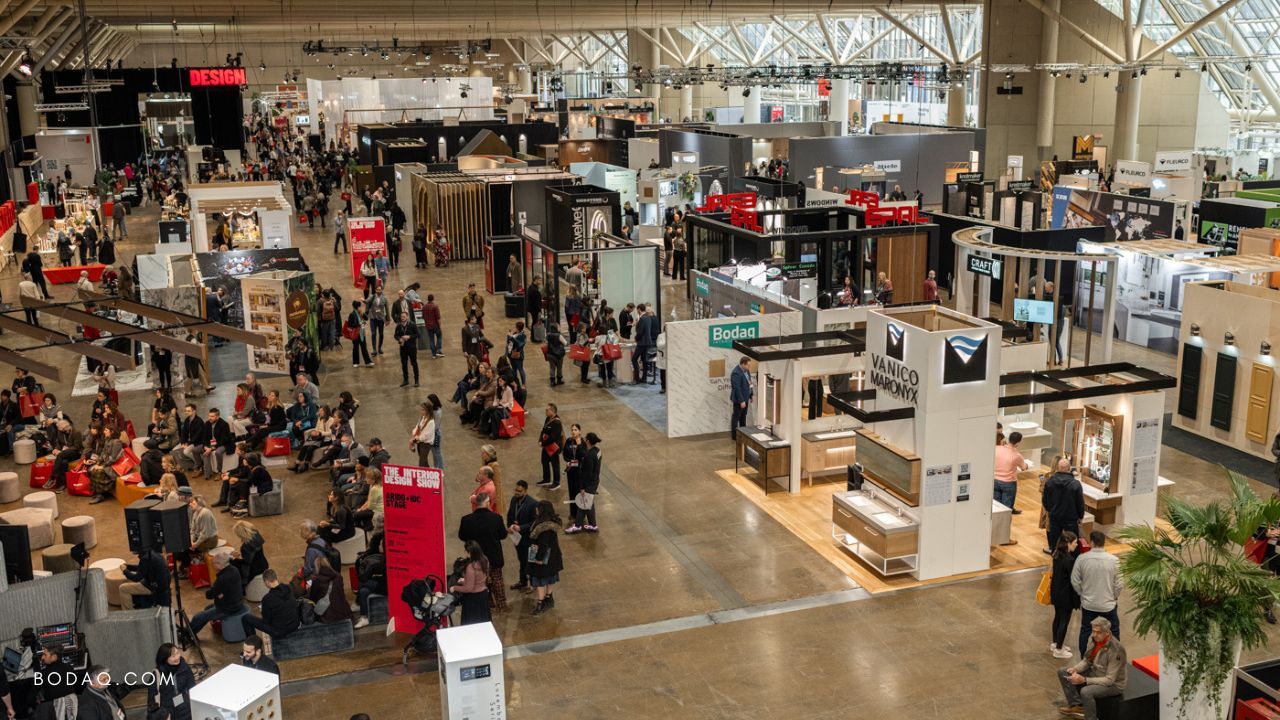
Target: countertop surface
[876,513]
[763,437]
[824,436]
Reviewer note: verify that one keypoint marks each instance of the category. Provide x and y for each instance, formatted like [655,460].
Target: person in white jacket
[661,359]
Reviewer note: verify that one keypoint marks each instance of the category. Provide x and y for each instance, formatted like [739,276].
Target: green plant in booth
[688,185]
[1195,588]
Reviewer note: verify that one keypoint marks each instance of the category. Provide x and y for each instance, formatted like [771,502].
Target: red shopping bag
[128,430]
[41,471]
[198,574]
[580,353]
[277,446]
[133,478]
[302,219]
[1255,549]
[517,413]
[508,428]
[611,352]
[127,462]
[78,483]
[30,403]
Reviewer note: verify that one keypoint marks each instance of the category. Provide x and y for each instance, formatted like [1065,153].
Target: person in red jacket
[431,318]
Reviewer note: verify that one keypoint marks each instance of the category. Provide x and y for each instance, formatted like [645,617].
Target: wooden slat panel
[31,365]
[169,317]
[66,342]
[113,326]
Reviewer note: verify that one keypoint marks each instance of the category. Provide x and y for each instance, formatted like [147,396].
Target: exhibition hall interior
[729,359]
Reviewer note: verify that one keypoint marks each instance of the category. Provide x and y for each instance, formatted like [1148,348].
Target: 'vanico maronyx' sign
[895,379]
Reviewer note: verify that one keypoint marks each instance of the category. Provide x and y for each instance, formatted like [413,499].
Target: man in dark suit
[279,609]
[520,520]
[485,528]
[221,442]
[646,338]
[193,436]
[407,336]
[739,396]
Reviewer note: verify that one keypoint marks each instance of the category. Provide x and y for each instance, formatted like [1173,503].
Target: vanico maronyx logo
[965,360]
[893,341]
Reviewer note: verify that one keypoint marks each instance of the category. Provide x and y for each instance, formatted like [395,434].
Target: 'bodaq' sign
[722,336]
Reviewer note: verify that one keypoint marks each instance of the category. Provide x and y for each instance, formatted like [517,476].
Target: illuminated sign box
[216,77]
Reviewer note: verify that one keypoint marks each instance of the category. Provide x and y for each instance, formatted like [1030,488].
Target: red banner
[413,500]
[367,235]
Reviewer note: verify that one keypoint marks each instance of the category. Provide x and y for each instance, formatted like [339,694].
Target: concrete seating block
[39,522]
[107,564]
[24,451]
[352,546]
[271,503]
[57,559]
[42,499]
[233,626]
[10,488]
[80,529]
[255,590]
[115,578]
[315,639]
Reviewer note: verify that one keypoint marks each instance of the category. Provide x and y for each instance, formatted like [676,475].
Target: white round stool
[107,564]
[42,499]
[10,488]
[137,446]
[24,451]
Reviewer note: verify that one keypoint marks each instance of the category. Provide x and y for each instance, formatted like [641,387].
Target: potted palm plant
[1204,599]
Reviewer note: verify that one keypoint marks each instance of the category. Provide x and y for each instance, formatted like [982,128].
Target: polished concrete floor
[691,601]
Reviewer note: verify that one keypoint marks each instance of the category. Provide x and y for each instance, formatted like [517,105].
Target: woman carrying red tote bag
[580,353]
[611,352]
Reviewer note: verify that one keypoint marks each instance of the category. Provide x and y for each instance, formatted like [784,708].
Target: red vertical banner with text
[413,501]
[367,235]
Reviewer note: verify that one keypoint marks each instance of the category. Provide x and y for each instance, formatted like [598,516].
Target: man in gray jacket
[1096,577]
[1099,674]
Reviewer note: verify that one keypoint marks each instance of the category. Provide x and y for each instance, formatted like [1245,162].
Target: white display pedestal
[238,692]
[471,678]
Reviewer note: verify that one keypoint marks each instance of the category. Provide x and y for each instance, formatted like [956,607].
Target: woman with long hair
[1064,597]
[472,585]
[250,558]
[169,694]
[277,422]
[545,560]
[574,450]
[423,437]
[338,524]
[327,583]
[316,438]
[584,501]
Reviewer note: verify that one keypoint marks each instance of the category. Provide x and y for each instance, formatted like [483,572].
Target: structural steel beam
[1078,31]
[31,365]
[57,46]
[796,34]
[951,37]
[170,317]
[18,13]
[912,34]
[732,51]
[66,342]
[115,327]
[1177,37]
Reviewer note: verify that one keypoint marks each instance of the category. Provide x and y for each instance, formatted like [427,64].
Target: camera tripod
[182,628]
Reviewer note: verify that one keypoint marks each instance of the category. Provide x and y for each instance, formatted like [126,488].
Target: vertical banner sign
[413,500]
[367,235]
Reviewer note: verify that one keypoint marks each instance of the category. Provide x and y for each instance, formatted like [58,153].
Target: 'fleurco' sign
[1173,161]
[216,77]
[722,336]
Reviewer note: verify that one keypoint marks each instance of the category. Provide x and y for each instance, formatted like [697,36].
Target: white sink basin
[887,519]
[860,501]
[1024,426]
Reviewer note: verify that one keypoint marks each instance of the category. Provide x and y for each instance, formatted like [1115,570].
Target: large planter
[1200,706]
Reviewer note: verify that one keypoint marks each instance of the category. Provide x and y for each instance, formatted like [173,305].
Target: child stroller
[432,606]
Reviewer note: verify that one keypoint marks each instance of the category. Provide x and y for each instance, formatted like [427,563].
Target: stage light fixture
[1248,66]
[25,66]
[1177,73]
[1144,72]
[262,67]
[1229,339]
[1266,348]
[746,92]
[1083,78]
[1204,67]
[1134,75]
[1106,73]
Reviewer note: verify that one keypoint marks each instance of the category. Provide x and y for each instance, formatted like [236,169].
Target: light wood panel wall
[904,258]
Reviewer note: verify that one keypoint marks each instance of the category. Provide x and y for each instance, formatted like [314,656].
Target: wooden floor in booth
[808,517]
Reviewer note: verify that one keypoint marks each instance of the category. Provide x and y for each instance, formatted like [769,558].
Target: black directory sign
[968,177]
[1020,185]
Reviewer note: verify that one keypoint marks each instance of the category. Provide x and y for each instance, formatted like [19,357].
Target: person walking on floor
[1100,673]
[473,586]
[431,321]
[545,560]
[589,486]
[1063,502]
[551,441]
[377,314]
[740,393]
[424,435]
[407,336]
[340,229]
[486,528]
[555,357]
[1096,577]
[1061,594]
[356,326]
[516,342]
[1009,462]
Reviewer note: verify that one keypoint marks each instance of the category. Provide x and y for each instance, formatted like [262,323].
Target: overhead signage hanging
[990,267]
[216,77]
[1015,161]
[1133,172]
[1173,161]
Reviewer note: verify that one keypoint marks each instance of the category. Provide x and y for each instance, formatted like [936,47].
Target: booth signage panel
[216,77]
[414,506]
[964,359]
[722,336]
[702,286]
[1021,185]
[368,235]
[1173,161]
[888,166]
[1133,172]
[968,177]
[990,267]
[1015,161]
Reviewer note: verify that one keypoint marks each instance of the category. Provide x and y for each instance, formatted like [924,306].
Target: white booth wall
[77,148]
[610,177]
[275,225]
[431,99]
[630,276]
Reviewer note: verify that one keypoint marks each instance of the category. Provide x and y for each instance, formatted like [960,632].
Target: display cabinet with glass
[1093,437]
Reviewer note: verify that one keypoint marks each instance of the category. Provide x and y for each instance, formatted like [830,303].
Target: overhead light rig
[778,75]
[396,50]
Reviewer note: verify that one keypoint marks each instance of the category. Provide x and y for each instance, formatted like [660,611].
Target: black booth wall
[216,113]
[713,148]
[455,136]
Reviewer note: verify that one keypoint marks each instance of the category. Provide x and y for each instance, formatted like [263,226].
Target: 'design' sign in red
[216,77]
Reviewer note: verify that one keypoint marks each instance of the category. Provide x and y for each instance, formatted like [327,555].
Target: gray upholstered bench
[378,610]
[314,639]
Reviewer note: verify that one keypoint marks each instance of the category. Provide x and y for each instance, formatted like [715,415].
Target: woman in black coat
[251,557]
[1064,597]
[338,525]
[589,485]
[328,582]
[574,449]
[545,560]
[170,692]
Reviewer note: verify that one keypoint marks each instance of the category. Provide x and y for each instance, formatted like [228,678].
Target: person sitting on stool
[1099,674]
[227,594]
[148,580]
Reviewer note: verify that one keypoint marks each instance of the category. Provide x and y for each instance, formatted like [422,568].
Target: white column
[525,80]
[686,104]
[751,106]
[27,108]
[654,90]
[1045,107]
[1128,102]
[838,105]
[955,103]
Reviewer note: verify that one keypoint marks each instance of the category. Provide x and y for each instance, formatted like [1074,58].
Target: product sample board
[1189,380]
[1224,391]
[1125,217]
[1258,416]
[280,306]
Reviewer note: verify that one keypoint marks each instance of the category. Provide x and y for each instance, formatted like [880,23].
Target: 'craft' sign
[722,336]
[216,77]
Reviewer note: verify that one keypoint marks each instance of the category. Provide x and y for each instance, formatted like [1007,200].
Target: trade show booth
[1124,217]
[224,270]
[621,180]
[279,305]
[1221,220]
[257,215]
[615,270]
[577,213]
